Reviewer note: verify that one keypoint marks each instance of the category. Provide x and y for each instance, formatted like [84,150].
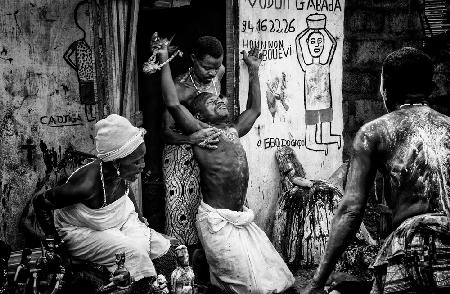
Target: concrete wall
[42,117]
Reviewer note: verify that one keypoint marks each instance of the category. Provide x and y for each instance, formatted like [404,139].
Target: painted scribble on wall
[276,94]
[301,83]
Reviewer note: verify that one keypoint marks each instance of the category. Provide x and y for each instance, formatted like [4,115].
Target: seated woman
[95,213]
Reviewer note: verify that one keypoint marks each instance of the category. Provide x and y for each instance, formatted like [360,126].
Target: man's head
[207,57]
[315,43]
[407,76]
[118,141]
[210,108]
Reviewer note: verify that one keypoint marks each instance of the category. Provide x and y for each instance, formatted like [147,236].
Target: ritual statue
[5,253]
[22,276]
[121,275]
[48,276]
[152,65]
[160,285]
[182,279]
[303,213]
[120,278]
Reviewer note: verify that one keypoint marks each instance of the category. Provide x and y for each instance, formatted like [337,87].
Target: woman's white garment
[96,235]
[241,257]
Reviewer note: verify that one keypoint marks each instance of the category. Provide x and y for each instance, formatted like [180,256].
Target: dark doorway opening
[187,23]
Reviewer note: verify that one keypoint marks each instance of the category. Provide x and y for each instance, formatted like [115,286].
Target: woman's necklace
[203,88]
[116,185]
[413,104]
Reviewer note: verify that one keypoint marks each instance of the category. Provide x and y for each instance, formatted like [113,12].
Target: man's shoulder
[370,134]
[182,78]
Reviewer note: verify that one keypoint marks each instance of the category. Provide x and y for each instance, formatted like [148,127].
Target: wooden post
[232,54]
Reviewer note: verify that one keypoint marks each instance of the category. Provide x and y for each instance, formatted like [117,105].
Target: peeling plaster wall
[41,115]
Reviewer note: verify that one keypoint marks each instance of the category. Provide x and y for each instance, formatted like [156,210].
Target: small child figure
[182,279]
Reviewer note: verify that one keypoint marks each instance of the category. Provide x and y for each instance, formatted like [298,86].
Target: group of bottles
[45,277]
[48,274]
[181,280]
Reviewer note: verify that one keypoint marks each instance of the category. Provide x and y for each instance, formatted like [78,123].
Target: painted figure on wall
[80,57]
[315,58]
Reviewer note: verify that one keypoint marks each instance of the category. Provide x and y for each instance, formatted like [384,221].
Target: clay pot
[316,21]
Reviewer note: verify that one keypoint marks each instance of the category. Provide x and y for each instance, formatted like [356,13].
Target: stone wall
[372,29]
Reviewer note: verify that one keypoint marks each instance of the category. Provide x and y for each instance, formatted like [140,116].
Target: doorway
[196,18]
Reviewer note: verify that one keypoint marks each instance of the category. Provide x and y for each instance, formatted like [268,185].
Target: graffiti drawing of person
[79,56]
[317,88]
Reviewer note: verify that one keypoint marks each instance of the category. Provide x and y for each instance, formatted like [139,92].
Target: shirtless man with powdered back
[240,256]
[410,146]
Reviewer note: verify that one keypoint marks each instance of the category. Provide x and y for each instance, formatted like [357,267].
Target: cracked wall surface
[42,119]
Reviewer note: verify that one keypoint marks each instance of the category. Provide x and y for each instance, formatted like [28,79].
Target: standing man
[410,147]
[181,173]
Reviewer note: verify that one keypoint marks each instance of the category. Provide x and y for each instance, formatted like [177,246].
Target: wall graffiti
[81,58]
[29,147]
[273,142]
[66,120]
[270,50]
[315,59]
[317,5]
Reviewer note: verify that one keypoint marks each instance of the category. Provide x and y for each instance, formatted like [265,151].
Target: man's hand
[205,138]
[162,50]
[253,58]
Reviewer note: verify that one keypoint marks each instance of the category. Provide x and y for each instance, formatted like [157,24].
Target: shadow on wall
[58,170]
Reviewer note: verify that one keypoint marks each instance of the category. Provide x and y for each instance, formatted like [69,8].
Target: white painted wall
[286,19]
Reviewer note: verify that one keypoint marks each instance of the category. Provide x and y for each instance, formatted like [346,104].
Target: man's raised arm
[349,214]
[247,118]
[180,114]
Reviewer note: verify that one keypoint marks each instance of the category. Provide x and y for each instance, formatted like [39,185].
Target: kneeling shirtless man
[240,256]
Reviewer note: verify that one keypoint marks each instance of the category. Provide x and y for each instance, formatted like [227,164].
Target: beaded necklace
[413,104]
[103,185]
[200,88]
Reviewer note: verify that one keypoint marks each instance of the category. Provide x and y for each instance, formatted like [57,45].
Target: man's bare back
[224,172]
[414,145]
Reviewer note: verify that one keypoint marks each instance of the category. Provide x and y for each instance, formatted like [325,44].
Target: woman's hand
[206,138]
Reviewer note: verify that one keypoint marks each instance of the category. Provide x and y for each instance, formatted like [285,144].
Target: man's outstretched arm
[180,114]
[247,118]
[348,216]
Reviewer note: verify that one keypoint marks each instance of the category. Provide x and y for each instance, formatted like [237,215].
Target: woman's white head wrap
[116,137]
